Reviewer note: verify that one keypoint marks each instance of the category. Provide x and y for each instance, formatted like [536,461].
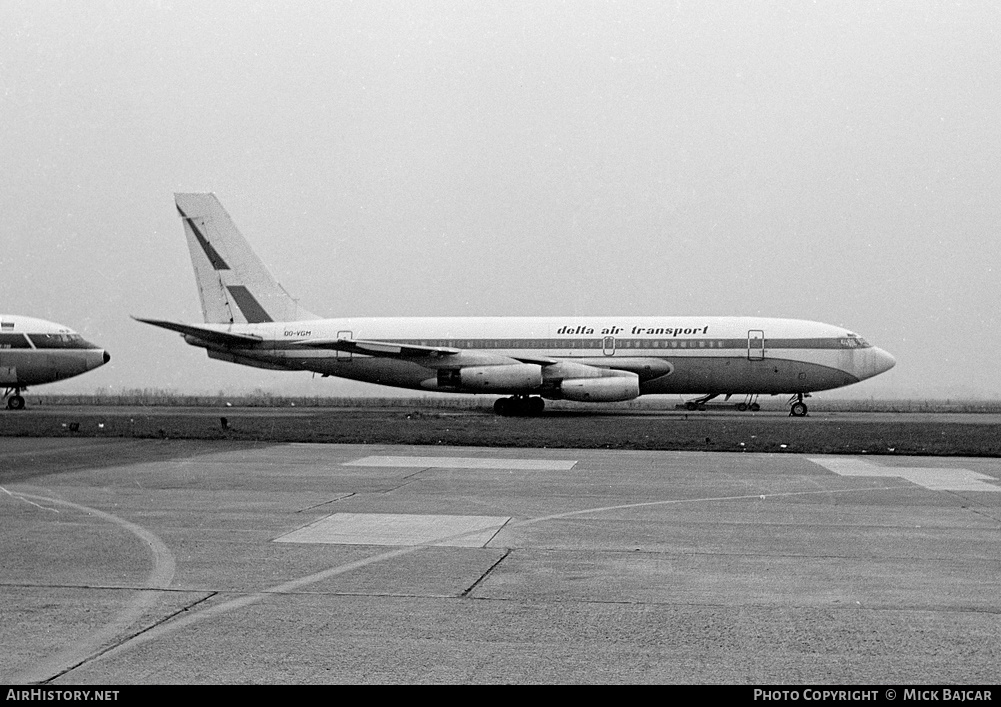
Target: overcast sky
[833,161]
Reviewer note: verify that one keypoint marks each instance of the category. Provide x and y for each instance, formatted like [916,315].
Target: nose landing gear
[798,408]
[15,401]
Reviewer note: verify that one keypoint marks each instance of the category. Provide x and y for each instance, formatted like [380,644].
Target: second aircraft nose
[97,359]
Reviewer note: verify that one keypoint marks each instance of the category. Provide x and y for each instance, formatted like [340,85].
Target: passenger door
[344,355]
[755,345]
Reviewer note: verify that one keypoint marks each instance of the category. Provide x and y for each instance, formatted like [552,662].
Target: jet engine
[246,360]
[601,390]
[510,377]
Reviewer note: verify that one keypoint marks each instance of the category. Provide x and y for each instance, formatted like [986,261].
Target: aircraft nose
[884,361]
[97,359]
[879,361]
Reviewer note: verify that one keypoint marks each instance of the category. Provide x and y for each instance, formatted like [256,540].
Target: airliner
[34,351]
[250,319]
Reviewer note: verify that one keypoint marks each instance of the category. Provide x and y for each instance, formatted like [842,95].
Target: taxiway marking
[399,529]
[934,479]
[205,613]
[91,646]
[466,463]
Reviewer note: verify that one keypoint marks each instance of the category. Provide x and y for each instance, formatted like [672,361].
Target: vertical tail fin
[233,283]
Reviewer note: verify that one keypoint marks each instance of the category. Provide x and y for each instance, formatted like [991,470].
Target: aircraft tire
[742,407]
[15,402]
[519,406]
[755,407]
[798,409]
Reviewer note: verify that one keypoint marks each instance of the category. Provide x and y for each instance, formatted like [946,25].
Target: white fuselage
[684,355]
[252,320]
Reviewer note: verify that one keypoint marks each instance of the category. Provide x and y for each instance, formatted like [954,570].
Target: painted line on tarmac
[397,529]
[931,478]
[466,463]
[159,578]
[95,444]
[193,616]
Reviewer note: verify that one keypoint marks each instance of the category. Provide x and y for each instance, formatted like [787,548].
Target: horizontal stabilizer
[211,336]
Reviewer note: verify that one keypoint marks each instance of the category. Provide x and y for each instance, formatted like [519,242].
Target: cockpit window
[13,341]
[60,341]
[853,341]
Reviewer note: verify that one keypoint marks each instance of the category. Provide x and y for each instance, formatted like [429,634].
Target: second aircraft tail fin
[233,283]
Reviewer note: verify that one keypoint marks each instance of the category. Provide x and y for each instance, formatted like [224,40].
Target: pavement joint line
[412,475]
[295,584]
[326,503]
[486,573]
[153,625]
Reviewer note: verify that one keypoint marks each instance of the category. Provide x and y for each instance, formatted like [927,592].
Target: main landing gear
[15,401]
[750,402]
[700,403]
[519,406]
[798,408]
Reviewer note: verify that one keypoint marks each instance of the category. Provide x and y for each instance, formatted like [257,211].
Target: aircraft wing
[210,335]
[392,349]
[537,360]
[384,349]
